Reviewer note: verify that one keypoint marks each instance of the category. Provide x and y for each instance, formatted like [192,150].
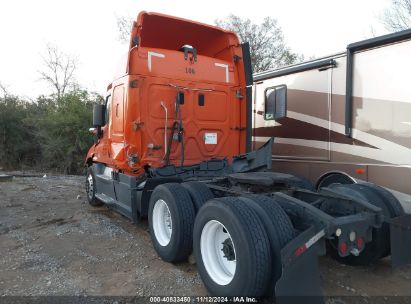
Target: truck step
[114,204]
[106,199]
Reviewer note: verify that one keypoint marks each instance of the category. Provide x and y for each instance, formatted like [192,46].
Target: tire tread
[95,202]
[280,219]
[258,235]
[199,193]
[186,215]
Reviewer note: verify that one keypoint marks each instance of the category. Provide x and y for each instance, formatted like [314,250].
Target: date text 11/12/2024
[202,299]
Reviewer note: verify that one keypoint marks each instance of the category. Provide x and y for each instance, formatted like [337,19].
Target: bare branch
[3,88]
[124,28]
[398,16]
[59,70]
[267,46]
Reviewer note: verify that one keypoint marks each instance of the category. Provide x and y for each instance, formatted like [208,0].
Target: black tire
[301,183]
[199,193]
[91,188]
[251,247]
[391,203]
[182,214]
[279,229]
[334,178]
[380,244]
[389,199]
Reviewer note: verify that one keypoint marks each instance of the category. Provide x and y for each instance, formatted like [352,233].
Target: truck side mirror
[99,115]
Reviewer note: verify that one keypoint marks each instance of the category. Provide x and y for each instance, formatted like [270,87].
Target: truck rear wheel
[379,247]
[91,188]
[232,249]
[199,193]
[171,220]
[279,230]
[334,178]
[390,201]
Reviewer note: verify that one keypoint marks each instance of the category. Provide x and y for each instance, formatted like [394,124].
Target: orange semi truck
[173,145]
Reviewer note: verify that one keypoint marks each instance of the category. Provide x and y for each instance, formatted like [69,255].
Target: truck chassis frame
[318,217]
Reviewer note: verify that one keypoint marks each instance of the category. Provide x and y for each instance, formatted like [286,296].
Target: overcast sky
[88,30]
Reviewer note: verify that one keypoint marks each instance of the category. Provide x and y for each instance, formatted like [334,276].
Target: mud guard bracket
[300,279]
[400,233]
[258,160]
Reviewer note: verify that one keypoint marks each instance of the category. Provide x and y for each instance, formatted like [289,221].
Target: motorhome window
[108,109]
[275,102]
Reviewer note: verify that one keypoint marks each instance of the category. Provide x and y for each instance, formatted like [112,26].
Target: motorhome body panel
[379,150]
[308,103]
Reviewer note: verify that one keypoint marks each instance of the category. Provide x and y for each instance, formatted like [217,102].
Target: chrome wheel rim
[162,222]
[218,252]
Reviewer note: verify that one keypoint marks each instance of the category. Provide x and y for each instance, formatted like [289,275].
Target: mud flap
[300,279]
[400,233]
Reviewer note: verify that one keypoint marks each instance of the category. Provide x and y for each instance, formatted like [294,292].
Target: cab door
[117,123]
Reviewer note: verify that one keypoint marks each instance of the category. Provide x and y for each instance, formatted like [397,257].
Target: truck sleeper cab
[171,146]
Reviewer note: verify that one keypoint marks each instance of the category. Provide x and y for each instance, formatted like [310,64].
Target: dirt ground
[53,243]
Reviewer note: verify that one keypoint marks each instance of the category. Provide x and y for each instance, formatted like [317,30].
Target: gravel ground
[53,243]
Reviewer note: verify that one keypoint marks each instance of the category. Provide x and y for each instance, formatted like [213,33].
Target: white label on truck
[210,138]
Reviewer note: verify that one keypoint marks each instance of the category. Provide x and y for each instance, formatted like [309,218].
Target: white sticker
[210,138]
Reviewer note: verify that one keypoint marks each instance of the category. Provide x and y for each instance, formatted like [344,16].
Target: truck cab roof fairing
[167,32]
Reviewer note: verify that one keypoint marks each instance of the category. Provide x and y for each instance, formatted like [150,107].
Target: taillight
[360,243]
[300,250]
[343,248]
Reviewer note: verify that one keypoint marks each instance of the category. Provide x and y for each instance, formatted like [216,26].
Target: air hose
[177,125]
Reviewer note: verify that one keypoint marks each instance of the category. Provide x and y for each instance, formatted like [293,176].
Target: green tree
[62,130]
[17,147]
[267,45]
[46,134]
[50,133]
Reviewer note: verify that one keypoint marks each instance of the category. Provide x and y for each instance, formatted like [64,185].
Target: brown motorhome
[342,118]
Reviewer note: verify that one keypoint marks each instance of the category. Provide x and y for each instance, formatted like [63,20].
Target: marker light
[353,235]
